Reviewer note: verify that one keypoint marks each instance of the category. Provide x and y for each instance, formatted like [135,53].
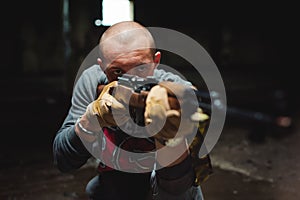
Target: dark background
[254,45]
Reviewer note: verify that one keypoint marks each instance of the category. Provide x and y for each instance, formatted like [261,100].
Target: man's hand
[166,124]
[108,109]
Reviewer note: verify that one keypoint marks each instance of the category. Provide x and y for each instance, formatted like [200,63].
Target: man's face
[139,62]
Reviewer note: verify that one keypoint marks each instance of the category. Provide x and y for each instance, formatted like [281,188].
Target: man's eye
[118,72]
[142,68]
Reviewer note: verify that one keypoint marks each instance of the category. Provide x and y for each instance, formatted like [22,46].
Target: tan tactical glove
[107,108]
[170,125]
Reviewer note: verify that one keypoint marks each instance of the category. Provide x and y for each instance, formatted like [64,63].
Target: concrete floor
[268,170]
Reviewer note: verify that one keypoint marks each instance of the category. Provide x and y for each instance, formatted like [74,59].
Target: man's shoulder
[92,70]
[94,73]
[163,75]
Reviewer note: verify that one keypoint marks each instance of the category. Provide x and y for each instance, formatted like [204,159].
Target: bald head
[121,27]
[127,47]
[125,37]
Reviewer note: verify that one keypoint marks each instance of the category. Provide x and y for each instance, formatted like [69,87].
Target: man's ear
[157,56]
[99,61]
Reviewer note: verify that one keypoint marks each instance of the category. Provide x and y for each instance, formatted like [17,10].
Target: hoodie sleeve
[68,150]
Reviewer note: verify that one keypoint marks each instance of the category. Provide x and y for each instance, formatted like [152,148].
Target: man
[126,48]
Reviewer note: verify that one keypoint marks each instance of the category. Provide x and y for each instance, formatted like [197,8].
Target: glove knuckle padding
[107,108]
[178,120]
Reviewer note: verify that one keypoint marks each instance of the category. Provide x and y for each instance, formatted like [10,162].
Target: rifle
[139,88]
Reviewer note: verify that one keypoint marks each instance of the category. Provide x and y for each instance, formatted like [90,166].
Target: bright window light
[114,11]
